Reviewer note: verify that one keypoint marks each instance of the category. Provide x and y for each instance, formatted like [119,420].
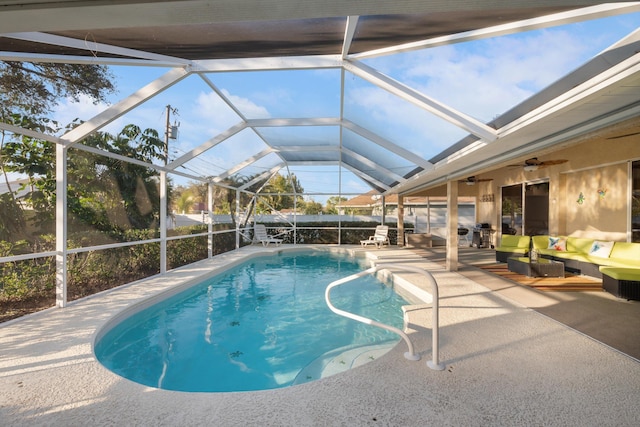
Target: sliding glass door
[536,209]
[635,202]
[525,209]
[512,209]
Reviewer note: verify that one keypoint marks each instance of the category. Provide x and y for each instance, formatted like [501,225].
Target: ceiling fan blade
[532,162]
[468,180]
[624,136]
[552,162]
[472,180]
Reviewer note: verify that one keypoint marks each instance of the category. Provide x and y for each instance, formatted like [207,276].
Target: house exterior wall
[598,162]
[594,214]
[593,165]
[487,200]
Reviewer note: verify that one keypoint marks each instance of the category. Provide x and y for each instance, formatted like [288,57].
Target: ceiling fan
[472,180]
[535,164]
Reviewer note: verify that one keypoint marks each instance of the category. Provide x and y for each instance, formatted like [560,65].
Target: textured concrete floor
[506,365]
[600,315]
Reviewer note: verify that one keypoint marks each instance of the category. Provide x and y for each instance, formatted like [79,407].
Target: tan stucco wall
[596,162]
[596,216]
[486,203]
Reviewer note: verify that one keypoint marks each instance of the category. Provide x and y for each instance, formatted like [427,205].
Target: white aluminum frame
[181,68]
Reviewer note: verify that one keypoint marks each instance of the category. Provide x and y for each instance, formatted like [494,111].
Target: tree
[13,222]
[311,207]
[332,203]
[224,199]
[28,92]
[103,193]
[186,197]
[134,186]
[278,193]
[30,157]
[33,89]
[183,200]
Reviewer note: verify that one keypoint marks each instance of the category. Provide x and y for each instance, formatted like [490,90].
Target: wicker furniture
[577,258]
[540,268]
[621,282]
[512,246]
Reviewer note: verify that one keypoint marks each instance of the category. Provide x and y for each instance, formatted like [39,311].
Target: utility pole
[171,132]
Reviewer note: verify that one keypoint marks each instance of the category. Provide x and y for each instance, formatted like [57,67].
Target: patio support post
[163,222]
[340,210]
[555,187]
[295,211]
[210,222]
[400,239]
[61,226]
[452,226]
[237,219]
[428,215]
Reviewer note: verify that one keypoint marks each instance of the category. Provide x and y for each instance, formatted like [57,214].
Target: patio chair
[260,235]
[379,238]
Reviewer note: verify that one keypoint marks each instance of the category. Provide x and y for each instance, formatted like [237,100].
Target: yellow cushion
[631,274]
[509,240]
[626,251]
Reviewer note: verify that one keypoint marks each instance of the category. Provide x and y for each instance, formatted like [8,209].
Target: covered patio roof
[211,39]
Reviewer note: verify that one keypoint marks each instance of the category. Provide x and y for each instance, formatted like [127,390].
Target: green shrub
[32,282]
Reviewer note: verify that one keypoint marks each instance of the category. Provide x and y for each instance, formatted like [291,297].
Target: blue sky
[482,78]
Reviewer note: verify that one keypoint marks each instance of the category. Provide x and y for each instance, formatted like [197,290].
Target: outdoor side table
[540,268]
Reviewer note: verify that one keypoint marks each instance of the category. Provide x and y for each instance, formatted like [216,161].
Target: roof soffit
[203,34]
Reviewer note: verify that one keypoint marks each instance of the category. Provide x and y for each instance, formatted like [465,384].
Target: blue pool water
[255,327]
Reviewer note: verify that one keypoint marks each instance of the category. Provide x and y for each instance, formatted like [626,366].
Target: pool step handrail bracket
[410,355]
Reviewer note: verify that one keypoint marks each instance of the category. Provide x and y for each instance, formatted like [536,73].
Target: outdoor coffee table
[540,268]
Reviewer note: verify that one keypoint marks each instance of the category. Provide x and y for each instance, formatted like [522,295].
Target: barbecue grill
[482,234]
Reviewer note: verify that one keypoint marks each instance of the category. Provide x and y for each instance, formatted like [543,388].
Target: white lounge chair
[260,235]
[379,238]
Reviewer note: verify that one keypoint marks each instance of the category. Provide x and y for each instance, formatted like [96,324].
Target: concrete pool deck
[505,365]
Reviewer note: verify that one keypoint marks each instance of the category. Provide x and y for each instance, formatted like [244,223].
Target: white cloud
[488,77]
[211,106]
[402,122]
[272,96]
[481,79]
[69,110]
[355,186]
[84,109]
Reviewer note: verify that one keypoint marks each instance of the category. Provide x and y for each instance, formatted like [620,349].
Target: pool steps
[341,360]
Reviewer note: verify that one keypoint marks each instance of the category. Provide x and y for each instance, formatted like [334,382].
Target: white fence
[434,223]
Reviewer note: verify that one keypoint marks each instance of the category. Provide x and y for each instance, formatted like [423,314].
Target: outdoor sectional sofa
[621,282]
[617,263]
[512,246]
[586,256]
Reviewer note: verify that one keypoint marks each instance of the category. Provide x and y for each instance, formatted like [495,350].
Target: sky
[482,79]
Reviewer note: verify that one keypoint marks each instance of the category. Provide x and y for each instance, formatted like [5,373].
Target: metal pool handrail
[410,355]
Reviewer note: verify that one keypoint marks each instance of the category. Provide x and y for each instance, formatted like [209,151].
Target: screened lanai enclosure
[275,112]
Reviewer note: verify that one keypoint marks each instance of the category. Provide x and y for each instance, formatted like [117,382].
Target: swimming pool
[263,324]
